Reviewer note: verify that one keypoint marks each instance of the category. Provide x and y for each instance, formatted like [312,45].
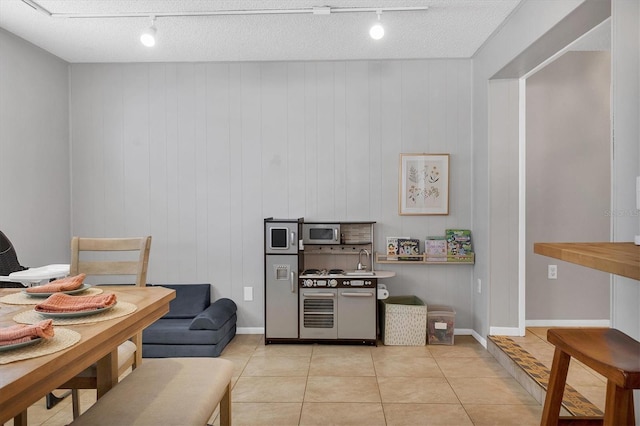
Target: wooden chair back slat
[138,268]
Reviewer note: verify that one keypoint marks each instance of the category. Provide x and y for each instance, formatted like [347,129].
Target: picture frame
[424,184]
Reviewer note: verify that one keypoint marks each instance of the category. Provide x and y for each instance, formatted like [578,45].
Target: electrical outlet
[248,294]
[552,272]
[479,288]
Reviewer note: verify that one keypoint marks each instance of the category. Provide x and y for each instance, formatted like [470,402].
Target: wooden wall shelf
[422,260]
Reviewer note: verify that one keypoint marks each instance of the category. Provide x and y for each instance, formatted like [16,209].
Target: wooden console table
[616,258]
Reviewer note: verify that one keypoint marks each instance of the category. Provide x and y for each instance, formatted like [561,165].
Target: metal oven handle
[347,294]
[335,234]
[293,282]
[319,295]
[292,238]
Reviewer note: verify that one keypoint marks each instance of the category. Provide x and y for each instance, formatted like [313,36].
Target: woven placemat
[22,299]
[62,339]
[121,309]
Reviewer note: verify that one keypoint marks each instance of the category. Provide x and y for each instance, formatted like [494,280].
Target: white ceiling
[448,29]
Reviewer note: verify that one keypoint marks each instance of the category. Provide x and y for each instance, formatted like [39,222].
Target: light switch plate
[248,294]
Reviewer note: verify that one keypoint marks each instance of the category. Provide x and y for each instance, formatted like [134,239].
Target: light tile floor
[363,385]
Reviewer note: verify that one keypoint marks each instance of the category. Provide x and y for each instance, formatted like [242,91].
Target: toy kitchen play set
[320,283]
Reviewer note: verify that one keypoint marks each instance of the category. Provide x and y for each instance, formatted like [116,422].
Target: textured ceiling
[448,29]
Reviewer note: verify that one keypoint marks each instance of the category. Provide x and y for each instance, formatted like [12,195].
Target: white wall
[198,154]
[625,293]
[393,94]
[34,152]
[568,185]
[503,197]
[529,22]
[626,156]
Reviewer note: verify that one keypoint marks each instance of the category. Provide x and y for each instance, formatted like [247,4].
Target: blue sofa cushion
[215,316]
[193,327]
[190,300]
[172,351]
[175,332]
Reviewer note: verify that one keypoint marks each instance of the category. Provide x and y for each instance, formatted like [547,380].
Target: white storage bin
[441,321]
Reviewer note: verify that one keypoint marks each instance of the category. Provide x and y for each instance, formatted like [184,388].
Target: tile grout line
[453,390]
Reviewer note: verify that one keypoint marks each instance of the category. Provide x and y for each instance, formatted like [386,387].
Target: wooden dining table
[22,383]
[620,258]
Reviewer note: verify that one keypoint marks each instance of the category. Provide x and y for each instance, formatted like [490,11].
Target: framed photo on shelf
[424,184]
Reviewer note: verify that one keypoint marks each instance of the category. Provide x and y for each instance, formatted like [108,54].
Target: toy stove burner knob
[308,283]
[333,282]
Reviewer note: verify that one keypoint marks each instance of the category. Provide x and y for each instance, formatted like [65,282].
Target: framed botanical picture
[424,184]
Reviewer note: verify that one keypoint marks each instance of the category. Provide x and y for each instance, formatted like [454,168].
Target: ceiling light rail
[316,10]
[37,7]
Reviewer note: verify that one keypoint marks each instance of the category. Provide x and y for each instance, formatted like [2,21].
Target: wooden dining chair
[89,256]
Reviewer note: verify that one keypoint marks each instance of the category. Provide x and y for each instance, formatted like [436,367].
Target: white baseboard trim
[504,331]
[260,330]
[472,333]
[479,338]
[457,331]
[250,330]
[568,323]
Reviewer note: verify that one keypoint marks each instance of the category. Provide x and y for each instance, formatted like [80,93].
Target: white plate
[73,314]
[84,287]
[19,345]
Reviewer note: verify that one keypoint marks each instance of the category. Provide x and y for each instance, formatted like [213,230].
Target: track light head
[148,36]
[377,30]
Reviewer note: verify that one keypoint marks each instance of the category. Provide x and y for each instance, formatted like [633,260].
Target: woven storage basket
[404,321]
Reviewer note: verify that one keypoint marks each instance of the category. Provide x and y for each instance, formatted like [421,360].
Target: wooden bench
[166,391]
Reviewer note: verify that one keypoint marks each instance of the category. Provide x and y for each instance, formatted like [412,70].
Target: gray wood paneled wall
[34,152]
[499,287]
[197,154]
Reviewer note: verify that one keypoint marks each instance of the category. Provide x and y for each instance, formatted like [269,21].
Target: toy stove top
[323,272]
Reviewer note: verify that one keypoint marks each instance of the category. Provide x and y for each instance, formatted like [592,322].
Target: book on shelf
[459,244]
[409,249]
[435,249]
[392,247]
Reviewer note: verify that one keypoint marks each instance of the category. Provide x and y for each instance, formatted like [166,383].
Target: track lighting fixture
[377,30]
[148,36]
